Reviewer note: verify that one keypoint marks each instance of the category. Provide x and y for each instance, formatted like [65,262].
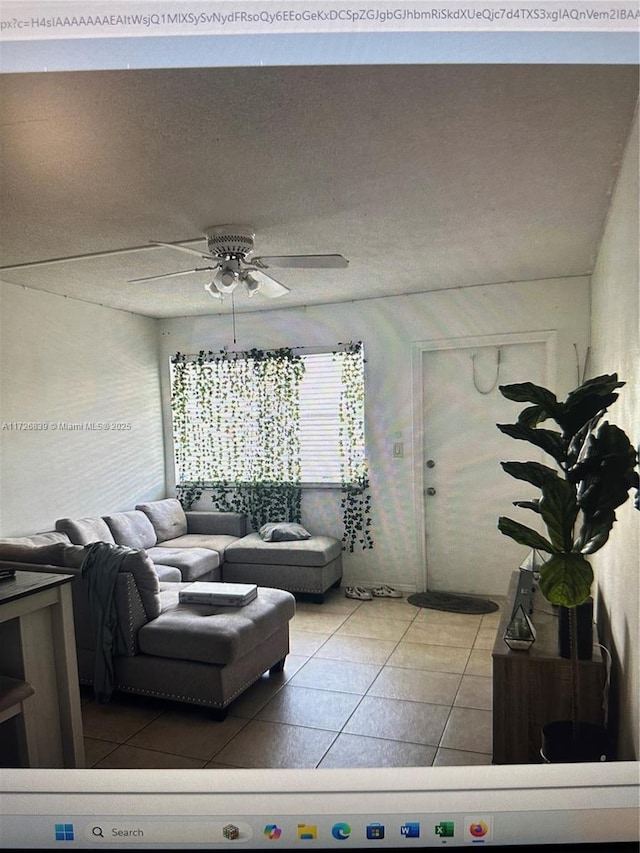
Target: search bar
[167,832]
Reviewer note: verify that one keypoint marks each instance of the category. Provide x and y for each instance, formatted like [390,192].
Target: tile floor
[367,684]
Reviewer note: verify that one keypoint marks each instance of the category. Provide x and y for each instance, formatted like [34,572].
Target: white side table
[37,644]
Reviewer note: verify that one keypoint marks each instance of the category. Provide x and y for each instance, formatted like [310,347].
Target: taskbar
[571,827]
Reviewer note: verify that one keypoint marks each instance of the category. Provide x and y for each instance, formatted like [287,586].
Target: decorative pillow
[283,531]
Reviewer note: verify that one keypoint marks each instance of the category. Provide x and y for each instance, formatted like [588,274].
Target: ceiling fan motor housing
[234,240]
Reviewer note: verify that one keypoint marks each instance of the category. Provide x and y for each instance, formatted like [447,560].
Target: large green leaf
[524,535]
[582,404]
[578,444]
[606,471]
[573,419]
[531,472]
[534,504]
[600,386]
[527,392]
[566,579]
[595,532]
[533,415]
[559,509]
[548,440]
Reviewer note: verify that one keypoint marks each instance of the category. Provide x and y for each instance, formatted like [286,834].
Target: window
[253,427]
[320,393]
[281,416]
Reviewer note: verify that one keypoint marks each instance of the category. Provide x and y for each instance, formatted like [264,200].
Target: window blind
[216,425]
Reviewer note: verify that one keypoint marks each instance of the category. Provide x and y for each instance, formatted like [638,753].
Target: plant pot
[564,741]
[584,631]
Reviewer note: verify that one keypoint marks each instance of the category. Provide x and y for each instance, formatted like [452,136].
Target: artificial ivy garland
[354,469]
[256,470]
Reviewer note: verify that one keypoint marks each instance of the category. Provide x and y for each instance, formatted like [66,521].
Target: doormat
[452,603]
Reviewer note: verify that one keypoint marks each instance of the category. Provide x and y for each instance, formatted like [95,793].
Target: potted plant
[595,471]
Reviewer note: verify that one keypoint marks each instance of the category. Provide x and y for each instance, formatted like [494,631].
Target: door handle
[431,491]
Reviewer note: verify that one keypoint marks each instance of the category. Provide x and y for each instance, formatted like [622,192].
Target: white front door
[465,488]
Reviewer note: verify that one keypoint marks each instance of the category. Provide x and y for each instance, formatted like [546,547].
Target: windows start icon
[64,832]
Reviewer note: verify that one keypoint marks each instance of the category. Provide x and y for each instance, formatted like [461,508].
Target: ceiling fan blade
[184,249]
[325,262]
[170,274]
[268,285]
[85,257]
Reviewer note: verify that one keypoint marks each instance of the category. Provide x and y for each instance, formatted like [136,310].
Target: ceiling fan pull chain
[495,381]
[233,317]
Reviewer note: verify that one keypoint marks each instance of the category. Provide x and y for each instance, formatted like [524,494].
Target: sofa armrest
[221,523]
[81,618]
[37,567]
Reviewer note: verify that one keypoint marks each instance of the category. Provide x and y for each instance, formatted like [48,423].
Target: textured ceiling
[424,177]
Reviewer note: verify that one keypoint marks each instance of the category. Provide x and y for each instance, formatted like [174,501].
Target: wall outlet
[398,449]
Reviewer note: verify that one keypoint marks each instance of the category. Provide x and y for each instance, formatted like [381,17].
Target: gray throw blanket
[100,569]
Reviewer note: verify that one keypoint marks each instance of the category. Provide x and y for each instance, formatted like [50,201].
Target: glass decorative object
[532,563]
[520,633]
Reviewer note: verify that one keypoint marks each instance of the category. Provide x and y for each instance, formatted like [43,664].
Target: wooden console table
[532,688]
[37,644]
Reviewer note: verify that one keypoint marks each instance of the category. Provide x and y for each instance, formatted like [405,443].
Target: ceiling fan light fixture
[212,290]
[226,280]
[252,284]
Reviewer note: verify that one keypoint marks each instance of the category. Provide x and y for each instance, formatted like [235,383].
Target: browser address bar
[167,832]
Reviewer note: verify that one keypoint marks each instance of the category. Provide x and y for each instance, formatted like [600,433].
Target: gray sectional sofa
[198,654]
[206,546]
[190,653]
[191,543]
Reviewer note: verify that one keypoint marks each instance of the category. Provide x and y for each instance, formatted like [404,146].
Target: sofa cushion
[168,574]
[132,529]
[167,517]
[211,634]
[212,541]
[283,531]
[48,538]
[86,531]
[218,523]
[193,563]
[317,551]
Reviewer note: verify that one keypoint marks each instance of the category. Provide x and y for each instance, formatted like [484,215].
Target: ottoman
[206,654]
[309,566]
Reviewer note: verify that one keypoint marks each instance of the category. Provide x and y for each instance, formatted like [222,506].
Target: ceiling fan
[230,250]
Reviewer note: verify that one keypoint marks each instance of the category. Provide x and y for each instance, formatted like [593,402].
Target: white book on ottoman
[232,594]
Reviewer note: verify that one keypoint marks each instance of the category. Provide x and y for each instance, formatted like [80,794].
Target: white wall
[67,361]
[615,347]
[389,327]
